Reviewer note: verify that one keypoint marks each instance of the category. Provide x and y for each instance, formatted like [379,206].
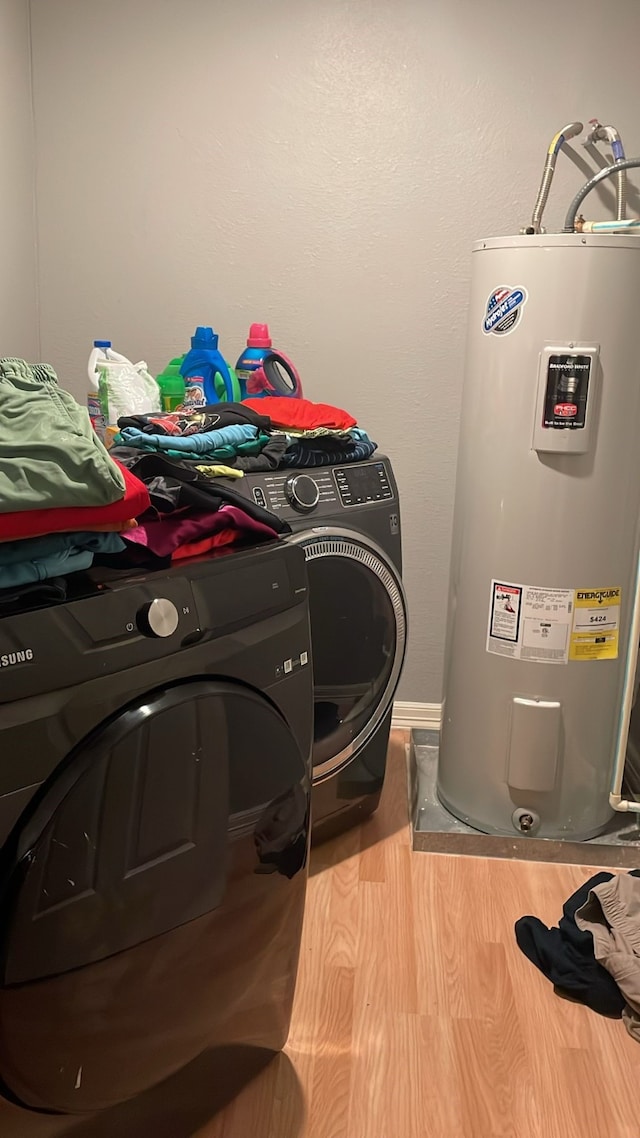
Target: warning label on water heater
[553,626]
[596,624]
[530,622]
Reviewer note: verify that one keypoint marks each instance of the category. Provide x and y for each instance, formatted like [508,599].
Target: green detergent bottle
[172,385]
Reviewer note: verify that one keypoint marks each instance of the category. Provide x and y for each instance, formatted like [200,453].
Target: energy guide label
[530,622]
[596,624]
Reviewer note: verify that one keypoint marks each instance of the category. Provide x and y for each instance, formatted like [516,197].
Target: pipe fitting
[555,146]
[600,133]
[607,172]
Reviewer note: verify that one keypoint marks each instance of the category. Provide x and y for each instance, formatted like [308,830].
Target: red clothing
[196,548]
[301,414]
[77,519]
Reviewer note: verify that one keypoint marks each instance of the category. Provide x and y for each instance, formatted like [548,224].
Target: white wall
[18,310]
[324,165]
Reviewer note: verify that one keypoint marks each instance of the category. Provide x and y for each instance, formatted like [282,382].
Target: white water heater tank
[546,535]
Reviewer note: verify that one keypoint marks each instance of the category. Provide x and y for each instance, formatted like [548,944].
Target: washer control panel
[359,485]
[321,490]
[305,492]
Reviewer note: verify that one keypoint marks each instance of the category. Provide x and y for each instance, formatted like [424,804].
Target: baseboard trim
[426,716]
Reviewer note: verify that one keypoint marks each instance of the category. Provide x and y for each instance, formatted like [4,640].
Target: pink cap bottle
[259,336]
[258,345]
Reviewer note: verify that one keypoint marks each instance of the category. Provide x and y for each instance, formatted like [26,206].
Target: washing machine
[346,519]
[155,741]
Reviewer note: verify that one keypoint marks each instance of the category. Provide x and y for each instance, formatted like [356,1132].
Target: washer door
[129,882]
[358,635]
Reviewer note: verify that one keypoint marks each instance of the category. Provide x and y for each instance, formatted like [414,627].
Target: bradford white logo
[503,310]
[12,658]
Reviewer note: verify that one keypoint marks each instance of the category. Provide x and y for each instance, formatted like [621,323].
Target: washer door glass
[358,633]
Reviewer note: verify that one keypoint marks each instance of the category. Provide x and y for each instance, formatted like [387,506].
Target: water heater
[543,618]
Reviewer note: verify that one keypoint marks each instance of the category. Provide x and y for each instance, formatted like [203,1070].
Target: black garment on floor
[175,485]
[213,417]
[565,955]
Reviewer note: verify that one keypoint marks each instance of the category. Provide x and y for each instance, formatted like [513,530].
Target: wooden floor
[417,1017]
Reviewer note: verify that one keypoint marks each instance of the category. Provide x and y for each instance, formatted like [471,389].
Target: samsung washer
[155,742]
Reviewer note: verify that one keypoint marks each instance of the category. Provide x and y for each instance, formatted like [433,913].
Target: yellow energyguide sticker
[596,623]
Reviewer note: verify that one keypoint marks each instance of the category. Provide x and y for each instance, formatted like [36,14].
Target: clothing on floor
[328,451]
[209,442]
[301,413]
[50,456]
[565,955]
[610,916]
[165,536]
[78,519]
[209,418]
[35,559]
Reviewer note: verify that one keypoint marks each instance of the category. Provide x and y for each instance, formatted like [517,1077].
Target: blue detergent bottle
[207,375]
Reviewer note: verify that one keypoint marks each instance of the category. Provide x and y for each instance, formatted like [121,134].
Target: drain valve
[526,821]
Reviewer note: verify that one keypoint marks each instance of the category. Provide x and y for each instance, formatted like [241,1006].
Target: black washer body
[154,824]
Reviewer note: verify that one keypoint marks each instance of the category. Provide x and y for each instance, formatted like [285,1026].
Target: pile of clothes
[258,434]
[593,956]
[163,492]
[188,461]
[63,499]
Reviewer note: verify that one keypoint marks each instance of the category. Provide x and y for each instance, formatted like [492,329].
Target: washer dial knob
[302,492]
[158,618]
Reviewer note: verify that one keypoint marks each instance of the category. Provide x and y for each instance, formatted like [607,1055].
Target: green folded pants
[50,455]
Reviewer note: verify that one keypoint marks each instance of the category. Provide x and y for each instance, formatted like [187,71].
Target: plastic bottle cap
[259,336]
[205,338]
[102,343]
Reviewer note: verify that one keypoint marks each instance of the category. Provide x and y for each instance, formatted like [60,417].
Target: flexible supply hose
[626,226]
[600,133]
[555,146]
[608,172]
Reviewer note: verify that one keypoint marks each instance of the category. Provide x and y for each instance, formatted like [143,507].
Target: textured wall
[324,165]
[18,311]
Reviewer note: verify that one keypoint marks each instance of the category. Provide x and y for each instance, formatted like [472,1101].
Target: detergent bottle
[258,345]
[263,371]
[118,387]
[207,375]
[97,405]
[172,385]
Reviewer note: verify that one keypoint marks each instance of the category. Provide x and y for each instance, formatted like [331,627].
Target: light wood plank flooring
[417,1017]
